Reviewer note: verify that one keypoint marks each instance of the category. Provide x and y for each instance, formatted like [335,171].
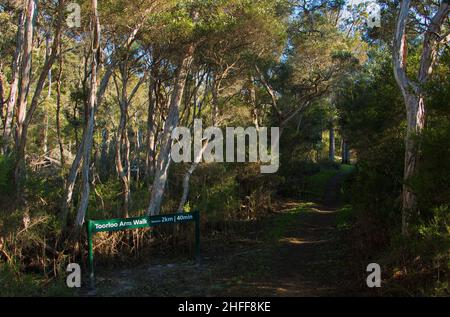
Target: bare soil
[297,251]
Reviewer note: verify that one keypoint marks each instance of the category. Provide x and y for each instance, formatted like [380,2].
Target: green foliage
[346,217]
[32,254]
[215,192]
[316,184]
[105,200]
[8,29]
[371,117]
[373,120]
[29,284]
[435,236]
[431,183]
[46,192]
[281,224]
[294,175]
[6,170]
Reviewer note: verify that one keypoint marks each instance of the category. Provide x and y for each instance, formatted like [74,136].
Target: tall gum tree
[412,88]
[23,115]
[14,84]
[123,35]
[87,144]
[208,22]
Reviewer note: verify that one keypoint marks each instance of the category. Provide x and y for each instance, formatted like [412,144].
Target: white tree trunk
[23,119]
[123,145]
[75,167]
[15,81]
[163,163]
[187,177]
[413,94]
[58,106]
[25,68]
[150,137]
[95,52]
[2,94]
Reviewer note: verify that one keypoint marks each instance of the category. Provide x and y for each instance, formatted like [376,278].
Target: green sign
[94,226]
[117,224]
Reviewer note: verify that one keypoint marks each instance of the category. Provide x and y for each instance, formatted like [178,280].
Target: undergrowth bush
[6,169]
[419,264]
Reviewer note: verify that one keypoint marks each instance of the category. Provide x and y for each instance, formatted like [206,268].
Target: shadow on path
[297,252]
[306,261]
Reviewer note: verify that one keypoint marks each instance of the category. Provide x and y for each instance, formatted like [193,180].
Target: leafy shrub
[435,237]
[431,183]
[6,173]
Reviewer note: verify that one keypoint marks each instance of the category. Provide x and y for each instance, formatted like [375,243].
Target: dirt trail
[295,253]
[304,259]
[332,195]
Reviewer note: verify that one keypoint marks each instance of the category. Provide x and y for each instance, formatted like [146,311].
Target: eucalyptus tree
[129,65]
[228,66]
[23,114]
[198,23]
[87,144]
[12,29]
[430,23]
[121,26]
[318,55]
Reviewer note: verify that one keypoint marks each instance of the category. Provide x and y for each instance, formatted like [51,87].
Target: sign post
[94,226]
[197,236]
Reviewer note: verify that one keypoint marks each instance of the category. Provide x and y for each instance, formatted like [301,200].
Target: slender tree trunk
[24,86]
[345,153]
[2,96]
[299,122]
[415,125]
[253,103]
[331,151]
[413,95]
[95,53]
[399,57]
[70,183]
[23,120]
[187,177]
[58,106]
[150,137]
[215,99]
[16,65]
[127,187]
[163,164]
[156,143]
[25,67]
[137,151]
[123,145]
[75,167]
[49,94]
[104,156]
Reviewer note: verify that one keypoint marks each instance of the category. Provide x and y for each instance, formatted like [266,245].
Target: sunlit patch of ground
[294,240]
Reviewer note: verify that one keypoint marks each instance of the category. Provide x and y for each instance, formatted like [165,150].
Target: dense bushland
[88,113]
[371,114]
